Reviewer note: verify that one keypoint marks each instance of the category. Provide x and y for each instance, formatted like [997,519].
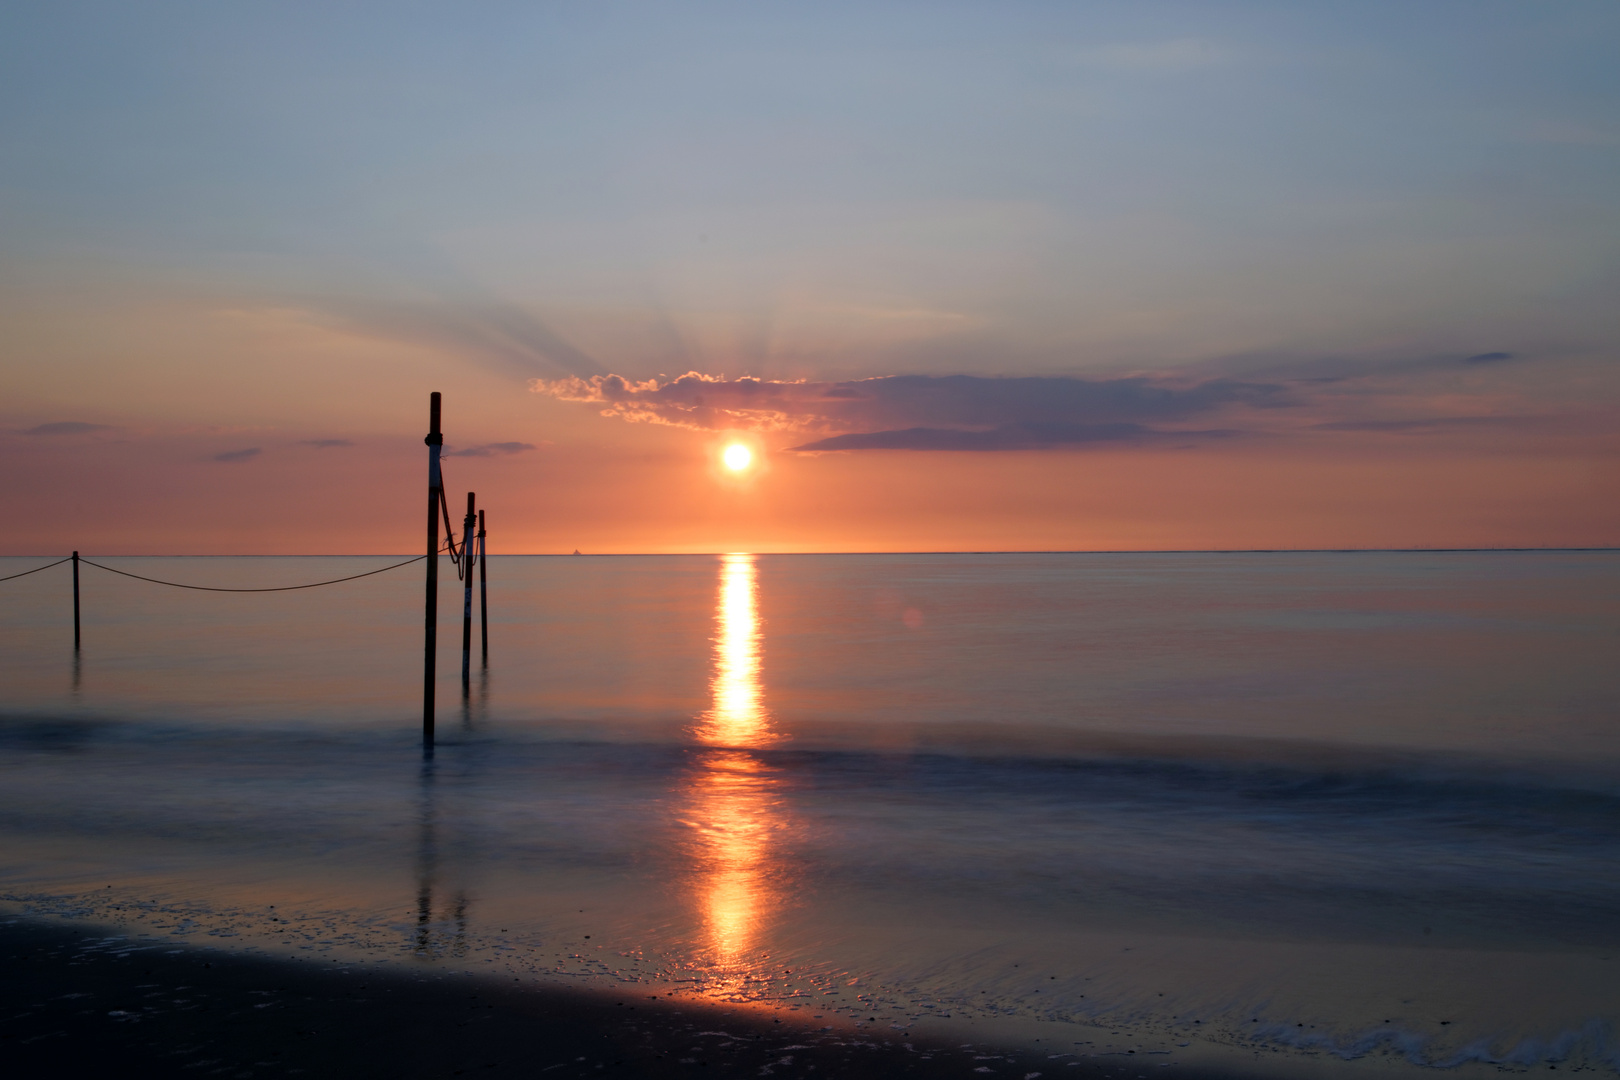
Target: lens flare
[737,457]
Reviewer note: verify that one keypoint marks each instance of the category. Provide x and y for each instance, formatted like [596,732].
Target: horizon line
[919,551]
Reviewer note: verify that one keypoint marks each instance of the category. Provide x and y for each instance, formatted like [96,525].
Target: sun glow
[737,457]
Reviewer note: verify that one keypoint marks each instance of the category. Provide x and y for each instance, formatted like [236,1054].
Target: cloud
[239,455]
[502,336]
[1009,437]
[952,412]
[66,427]
[1434,423]
[1303,371]
[322,444]
[491,449]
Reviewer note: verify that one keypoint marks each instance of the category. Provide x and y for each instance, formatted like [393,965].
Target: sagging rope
[48,565]
[211,588]
[457,554]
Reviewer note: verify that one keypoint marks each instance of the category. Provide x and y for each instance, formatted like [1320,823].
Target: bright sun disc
[737,457]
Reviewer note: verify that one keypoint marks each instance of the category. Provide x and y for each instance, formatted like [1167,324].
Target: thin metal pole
[483,589]
[75,601]
[469,555]
[435,444]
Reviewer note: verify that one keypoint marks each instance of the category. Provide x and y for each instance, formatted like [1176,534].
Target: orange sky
[1195,279]
[642,488]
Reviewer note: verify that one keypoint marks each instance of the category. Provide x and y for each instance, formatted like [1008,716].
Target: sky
[1011,276]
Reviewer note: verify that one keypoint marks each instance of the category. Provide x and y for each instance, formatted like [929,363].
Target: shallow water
[1359,805]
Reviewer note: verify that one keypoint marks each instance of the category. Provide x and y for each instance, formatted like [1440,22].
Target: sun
[737,457]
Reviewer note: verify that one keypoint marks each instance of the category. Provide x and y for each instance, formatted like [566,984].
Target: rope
[457,555]
[209,588]
[48,565]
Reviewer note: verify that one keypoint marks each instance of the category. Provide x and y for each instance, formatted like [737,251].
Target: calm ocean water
[1358,808]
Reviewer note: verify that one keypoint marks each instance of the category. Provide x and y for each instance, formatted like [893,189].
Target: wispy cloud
[922,411]
[1008,437]
[503,336]
[490,449]
[1307,370]
[323,444]
[66,427]
[1431,424]
[239,455]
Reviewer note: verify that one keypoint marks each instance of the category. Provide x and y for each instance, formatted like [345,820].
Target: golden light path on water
[737,717]
[733,809]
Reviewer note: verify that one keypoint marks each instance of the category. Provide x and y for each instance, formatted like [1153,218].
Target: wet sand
[83,1000]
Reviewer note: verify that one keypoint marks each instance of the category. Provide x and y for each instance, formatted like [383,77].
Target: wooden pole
[483,590]
[435,445]
[75,600]
[469,554]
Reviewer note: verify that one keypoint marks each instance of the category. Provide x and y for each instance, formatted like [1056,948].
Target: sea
[1284,813]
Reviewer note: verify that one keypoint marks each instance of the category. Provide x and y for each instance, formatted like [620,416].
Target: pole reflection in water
[475,711]
[448,935]
[732,805]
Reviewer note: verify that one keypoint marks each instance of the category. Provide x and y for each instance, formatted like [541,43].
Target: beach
[79,1002]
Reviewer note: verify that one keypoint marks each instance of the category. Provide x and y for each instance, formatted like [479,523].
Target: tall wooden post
[435,445]
[75,600]
[469,557]
[483,590]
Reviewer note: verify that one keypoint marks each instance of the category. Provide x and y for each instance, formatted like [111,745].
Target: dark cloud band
[248,454]
[490,449]
[921,412]
[1010,437]
[66,427]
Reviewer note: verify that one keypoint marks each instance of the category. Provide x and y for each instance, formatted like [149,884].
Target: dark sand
[79,1000]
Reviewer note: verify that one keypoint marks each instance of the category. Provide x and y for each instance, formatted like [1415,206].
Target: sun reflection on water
[737,717]
[733,807]
[733,823]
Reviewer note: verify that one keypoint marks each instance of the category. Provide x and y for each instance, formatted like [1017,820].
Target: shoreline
[85,998]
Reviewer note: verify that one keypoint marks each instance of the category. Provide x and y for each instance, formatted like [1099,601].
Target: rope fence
[468,556]
[48,565]
[216,588]
[277,588]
